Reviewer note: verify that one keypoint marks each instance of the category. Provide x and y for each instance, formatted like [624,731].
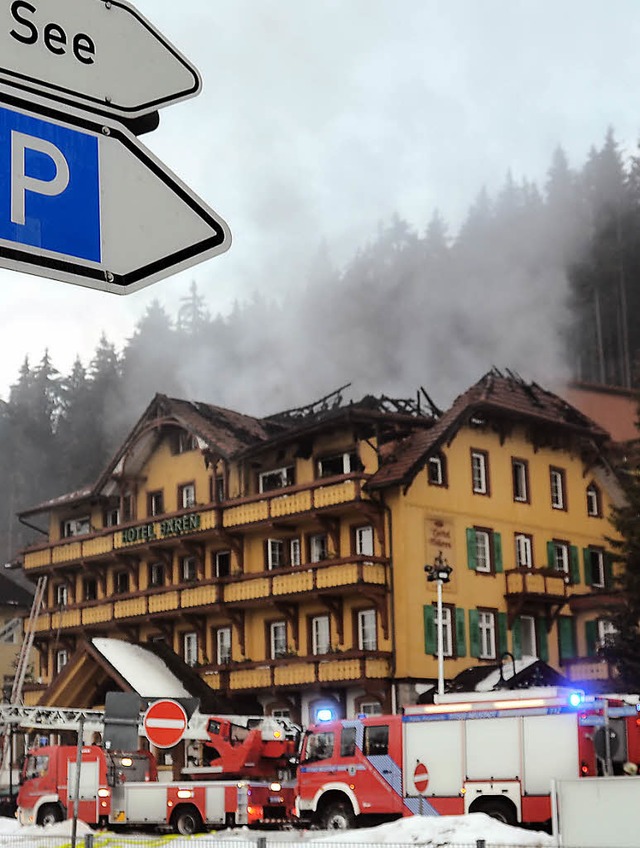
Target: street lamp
[439,573]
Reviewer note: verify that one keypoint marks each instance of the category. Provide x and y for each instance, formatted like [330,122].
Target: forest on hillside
[539,279]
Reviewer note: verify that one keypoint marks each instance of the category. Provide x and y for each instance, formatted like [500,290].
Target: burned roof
[498,396]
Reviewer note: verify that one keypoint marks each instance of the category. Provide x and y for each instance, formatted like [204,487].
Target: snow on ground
[430,831]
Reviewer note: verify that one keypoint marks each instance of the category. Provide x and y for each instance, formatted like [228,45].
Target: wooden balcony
[277,505]
[330,577]
[535,591]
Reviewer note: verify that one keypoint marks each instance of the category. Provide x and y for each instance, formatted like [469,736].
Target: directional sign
[89,204]
[164,723]
[100,55]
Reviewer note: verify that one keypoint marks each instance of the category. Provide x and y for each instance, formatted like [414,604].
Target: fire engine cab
[494,752]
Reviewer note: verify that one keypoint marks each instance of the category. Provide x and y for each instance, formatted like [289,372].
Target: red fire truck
[122,788]
[496,752]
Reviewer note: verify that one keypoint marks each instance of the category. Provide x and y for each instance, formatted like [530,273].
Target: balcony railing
[538,582]
[270,506]
[244,590]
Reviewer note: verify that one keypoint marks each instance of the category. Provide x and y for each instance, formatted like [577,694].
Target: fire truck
[246,770]
[495,752]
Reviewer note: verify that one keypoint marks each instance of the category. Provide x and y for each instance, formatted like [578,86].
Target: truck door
[380,787]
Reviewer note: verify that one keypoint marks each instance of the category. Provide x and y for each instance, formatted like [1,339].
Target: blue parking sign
[49,186]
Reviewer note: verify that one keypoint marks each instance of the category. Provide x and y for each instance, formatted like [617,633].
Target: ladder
[27,642]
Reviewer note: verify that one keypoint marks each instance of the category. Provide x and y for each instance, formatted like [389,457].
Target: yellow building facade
[285,557]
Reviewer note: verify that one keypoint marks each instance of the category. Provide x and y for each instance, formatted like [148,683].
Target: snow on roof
[144,671]
[508,671]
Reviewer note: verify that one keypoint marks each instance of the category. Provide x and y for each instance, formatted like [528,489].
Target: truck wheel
[337,815]
[502,811]
[49,814]
[187,821]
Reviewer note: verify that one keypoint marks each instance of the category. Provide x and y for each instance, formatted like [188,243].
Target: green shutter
[430,638]
[461,636]
[586,557]
[574,566]
[474,634]
[591,632]
[566,637]
[497,553]
[551,555]
[471,548]
[541,632]
[608,569]
[502,633]
[516,639]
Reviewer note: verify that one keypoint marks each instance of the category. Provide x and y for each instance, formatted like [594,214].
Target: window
[184,442]
[10,631]
[376,740]
[364,540]
[524,551]
[594,562]
[276,479]
[89,589]
[370,708]
[62,594]
[528,636]
[294,551]
[319,746]
[128,507]
[222,563]
[62,658]
[186,496]
[277,639]
[318,547]
[75,527]
[483,550]
[341,463]
[487,628]
[557,481]
[320,635]
[190,648]
[156,574]
[367,630]
[111,517]
[594,507]
[560,556]
[121,583]
[275,553]
[437,470]
[223,645]
[520,474]
[480,472]
[348,742]
[221,489]
[189,568]
[155,503]
[606,631]
[447,630]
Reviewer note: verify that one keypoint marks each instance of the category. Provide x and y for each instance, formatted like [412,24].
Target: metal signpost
[81,199]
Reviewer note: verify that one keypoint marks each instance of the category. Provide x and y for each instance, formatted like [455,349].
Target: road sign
[89,204]
[421,778]
[164,723]
[100,55]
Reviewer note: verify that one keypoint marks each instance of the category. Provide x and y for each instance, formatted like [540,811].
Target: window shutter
[471,548]
[497,553]
[541,633]
[574,566]
[586,558]
[502,633]
[608,569]
[474,634]
[516,639]
[551,555]
[461,636]
[566,637]
[591,632]
[430,646]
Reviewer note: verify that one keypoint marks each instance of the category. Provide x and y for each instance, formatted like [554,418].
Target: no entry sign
[164,723]
[421,778]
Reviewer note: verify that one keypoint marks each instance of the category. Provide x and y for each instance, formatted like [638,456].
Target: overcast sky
[318,119]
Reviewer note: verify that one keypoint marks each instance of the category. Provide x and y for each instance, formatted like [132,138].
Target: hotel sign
[161,529]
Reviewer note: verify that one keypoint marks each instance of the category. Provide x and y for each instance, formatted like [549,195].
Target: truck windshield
[319,746]
[35,766]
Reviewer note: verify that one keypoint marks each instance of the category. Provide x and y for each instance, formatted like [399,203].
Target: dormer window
[184,442]
[437,470]
[75,527]
[594,505]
